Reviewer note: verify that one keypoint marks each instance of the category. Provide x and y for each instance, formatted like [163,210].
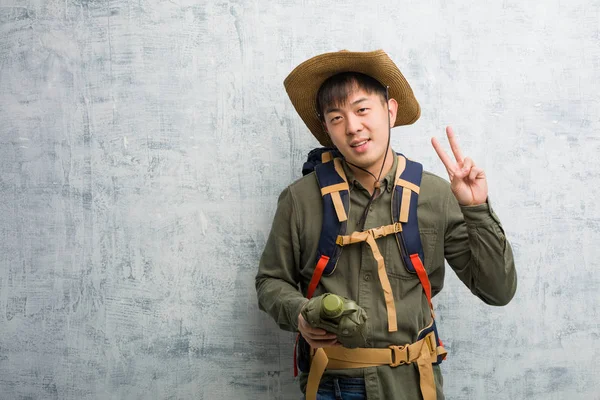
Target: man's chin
[362,161]
[355,156]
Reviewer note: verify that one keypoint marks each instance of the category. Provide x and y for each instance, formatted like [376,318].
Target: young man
[349,101]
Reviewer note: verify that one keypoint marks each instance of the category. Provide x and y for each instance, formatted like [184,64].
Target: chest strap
[369,237]
[424,352]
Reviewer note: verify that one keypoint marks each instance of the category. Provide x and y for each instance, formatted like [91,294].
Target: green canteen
[338,315]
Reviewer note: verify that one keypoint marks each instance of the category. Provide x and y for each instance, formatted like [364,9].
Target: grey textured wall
[144,143]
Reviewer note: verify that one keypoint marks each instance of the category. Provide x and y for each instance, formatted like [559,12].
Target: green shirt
[470,238]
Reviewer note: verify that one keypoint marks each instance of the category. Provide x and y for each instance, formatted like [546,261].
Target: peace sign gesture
[468,182]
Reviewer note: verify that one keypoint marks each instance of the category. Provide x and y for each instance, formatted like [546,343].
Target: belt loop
[337,389]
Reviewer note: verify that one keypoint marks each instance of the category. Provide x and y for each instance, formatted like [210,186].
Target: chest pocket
[401,279]
[429,242]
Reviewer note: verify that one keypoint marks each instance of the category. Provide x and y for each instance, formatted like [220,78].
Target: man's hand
[467,181]
[316,337]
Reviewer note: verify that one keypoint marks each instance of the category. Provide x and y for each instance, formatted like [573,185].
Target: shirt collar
[387,182]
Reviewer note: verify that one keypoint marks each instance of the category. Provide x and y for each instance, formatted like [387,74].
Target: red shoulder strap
[314,282]
[416,261]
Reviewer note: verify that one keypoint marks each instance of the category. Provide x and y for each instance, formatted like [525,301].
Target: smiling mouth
[358,144]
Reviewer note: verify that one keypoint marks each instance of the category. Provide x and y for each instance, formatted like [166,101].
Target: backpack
[326,164]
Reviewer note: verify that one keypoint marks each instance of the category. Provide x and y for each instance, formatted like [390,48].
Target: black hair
[336,89]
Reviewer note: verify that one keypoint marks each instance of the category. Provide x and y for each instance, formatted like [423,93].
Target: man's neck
[365,179]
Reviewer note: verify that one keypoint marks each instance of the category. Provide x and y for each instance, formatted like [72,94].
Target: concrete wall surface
[143,145]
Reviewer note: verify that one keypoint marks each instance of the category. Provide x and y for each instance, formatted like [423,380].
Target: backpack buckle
[399,355]
[377,232]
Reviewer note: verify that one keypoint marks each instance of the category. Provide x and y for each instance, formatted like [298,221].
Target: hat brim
[303,83]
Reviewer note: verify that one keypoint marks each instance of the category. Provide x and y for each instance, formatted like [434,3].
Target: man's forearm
[486,265]
[281,300]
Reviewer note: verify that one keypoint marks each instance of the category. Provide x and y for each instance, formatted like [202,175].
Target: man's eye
[336,118]
[362,110]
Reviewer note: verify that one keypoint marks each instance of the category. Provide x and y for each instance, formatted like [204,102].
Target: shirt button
[367,277]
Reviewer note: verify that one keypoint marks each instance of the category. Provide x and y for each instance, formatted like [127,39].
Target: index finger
[446,160]
[315,331]
[317,334]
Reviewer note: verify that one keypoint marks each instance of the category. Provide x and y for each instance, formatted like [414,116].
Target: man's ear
[393,107]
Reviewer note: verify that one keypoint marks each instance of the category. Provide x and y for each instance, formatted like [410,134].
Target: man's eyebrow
[359,101]
[355,102]
[331,109]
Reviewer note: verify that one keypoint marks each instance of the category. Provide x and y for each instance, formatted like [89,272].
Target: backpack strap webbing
[405,199]
[370,236]
[336,205]
[423,354]
[404,210]
[326,157]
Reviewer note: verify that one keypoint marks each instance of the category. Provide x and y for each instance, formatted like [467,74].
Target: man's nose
[353,124]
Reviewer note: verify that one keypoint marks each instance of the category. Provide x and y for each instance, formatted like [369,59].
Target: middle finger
[454,145]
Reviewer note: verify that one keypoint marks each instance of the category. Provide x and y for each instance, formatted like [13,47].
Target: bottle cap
[332,305]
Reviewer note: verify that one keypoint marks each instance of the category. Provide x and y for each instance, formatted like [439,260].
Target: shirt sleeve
[277,278]
[477,250]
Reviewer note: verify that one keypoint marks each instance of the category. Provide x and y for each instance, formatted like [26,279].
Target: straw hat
[303,83]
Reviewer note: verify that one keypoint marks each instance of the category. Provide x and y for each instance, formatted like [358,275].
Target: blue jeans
[342,389]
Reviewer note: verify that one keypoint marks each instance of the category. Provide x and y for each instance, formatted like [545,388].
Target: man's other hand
[316,337]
